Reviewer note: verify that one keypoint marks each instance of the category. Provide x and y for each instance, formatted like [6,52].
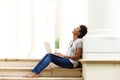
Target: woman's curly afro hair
[83,31]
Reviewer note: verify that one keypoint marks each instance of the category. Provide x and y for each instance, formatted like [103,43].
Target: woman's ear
[79,34]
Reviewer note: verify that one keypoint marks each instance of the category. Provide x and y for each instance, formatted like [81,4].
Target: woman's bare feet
[31,75]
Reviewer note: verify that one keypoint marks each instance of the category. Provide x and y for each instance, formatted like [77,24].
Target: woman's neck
[75,37]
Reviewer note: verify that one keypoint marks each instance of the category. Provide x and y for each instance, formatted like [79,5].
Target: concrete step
[21,63]
[20,67]
[41,78]
[18,62]
[21,71]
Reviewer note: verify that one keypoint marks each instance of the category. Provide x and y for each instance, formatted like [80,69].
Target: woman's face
[76,31]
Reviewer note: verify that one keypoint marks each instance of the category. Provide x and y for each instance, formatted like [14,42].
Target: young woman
[70,60]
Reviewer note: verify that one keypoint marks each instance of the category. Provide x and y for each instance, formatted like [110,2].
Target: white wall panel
[12,28]
[24,27]
[101,44]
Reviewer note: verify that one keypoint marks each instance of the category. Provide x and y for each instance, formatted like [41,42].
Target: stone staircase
[14,69]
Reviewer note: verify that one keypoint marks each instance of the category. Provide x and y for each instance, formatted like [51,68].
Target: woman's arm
[76,56]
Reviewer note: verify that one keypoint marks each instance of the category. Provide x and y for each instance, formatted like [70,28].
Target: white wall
[24,26]
[104,16]
[73,13]
[103,40]
[104,32]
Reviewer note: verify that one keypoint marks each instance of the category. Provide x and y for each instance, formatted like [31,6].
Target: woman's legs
[62,62]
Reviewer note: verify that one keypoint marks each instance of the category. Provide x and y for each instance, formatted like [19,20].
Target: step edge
[41,78]
[30,68]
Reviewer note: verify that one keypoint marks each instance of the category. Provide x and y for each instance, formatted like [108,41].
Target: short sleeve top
[73,45]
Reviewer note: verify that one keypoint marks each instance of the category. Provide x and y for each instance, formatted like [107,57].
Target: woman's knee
[48,54]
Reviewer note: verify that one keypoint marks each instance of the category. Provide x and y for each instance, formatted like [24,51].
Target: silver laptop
[48,47]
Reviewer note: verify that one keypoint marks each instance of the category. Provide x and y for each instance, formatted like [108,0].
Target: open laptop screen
[47,47]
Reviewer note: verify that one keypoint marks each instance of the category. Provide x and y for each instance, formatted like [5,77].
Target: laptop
[47,47]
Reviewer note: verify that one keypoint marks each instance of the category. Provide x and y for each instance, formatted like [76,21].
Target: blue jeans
[62,62]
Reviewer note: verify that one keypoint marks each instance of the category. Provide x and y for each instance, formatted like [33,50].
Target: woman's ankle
[31,75]
[34,75]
